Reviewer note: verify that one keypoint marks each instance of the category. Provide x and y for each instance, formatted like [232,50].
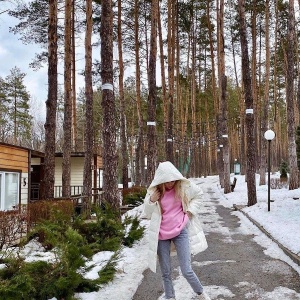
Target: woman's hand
[190,215]
[155,196]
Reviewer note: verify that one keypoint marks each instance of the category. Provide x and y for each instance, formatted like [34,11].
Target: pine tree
[110,158]
[251,148]
[17,99]
[4,118]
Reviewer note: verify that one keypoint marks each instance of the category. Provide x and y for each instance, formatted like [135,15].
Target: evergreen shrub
[134,231]
[134,196]
[284,171]
[73,243]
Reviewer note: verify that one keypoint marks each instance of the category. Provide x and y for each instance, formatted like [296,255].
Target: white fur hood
[166,172]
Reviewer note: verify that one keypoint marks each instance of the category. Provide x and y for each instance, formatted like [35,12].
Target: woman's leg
[163,251]
[183,252]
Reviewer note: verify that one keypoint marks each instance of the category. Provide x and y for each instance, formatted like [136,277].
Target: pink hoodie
[173,217]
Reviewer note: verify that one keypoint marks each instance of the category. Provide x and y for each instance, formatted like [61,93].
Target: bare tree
[171,70]
[251,162]
[163,76]
[89,129]
[293,182]
[264,121]
[223,101]
[47,189]
[122,101]
[110,159]
[66,168]
[139,167]
[73,66]
[213,86]
[151,134]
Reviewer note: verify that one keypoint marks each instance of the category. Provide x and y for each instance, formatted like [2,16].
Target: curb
[293,256]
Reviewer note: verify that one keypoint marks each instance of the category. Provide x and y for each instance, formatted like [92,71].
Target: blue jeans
[182,245]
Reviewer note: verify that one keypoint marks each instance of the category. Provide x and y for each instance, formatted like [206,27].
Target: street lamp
[269,136]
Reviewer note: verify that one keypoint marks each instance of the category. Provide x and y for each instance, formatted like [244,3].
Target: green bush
[105,233]
[283,170]
[108,272]
[135,231]
[134,196]
[39,280]
[72,245]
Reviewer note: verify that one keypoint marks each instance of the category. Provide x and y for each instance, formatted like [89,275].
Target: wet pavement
[235,266]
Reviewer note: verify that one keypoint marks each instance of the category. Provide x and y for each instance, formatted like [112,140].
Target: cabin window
[9,190]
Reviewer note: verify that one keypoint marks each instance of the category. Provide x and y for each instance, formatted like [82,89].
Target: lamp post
[269,136]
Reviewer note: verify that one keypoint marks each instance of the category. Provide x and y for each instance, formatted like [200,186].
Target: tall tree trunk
[110,160]
[214,85]
[193,95]
[264,122]
[89,129]
[122,102]
[293,182]
[74,114]
[66,163]
[163,79]
[223,100]
[251,183]
[254,79]
[140,164]
[151,134]
[240,125]
[171,71]
[219,116]
[47,189]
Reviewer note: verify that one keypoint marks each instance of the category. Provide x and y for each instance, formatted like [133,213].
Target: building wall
[15,159]
[77,168]
[77,165]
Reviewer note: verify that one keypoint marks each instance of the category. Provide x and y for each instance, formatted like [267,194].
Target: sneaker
[203,296]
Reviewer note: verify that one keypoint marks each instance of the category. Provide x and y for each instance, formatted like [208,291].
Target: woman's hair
[179,193]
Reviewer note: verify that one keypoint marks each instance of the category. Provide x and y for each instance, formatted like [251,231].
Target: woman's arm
[150,203]
[195,199]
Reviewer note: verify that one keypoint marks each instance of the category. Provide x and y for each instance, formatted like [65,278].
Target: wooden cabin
[21,173]
[15,175]
[77,167]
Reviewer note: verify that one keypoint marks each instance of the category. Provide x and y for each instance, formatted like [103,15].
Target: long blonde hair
[179,192]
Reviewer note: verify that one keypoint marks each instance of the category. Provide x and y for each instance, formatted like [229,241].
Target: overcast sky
[13,53]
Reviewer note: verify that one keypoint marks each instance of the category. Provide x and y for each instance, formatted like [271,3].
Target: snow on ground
[282,221]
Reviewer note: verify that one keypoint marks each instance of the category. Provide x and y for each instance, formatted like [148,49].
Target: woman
[172,204]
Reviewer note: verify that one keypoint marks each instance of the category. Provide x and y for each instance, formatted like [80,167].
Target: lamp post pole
[269,171]
[269,136]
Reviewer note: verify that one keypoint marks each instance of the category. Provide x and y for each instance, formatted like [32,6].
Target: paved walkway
[234,266]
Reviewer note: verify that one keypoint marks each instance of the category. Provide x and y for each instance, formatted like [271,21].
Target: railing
[35,191]
[75,190]
[76,195]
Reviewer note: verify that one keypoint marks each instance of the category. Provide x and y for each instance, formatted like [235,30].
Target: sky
[13,53]
[282,222]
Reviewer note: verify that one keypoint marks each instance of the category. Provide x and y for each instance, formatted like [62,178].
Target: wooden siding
[12,158]
[77,165]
